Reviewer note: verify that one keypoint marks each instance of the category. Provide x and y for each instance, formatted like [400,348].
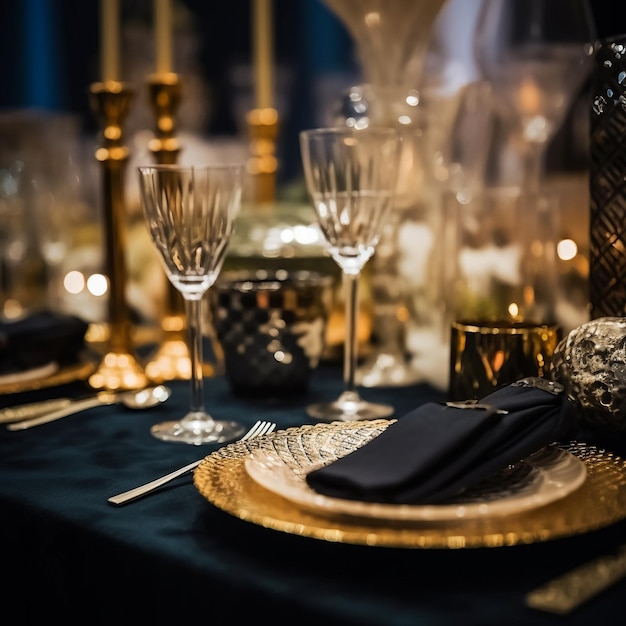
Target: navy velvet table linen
[173,558]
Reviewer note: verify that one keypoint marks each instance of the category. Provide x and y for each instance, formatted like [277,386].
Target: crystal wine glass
[351,177]
[536,54]
[190,213]
[392,39]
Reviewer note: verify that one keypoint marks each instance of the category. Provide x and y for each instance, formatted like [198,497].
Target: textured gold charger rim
[66,374]
[600,501]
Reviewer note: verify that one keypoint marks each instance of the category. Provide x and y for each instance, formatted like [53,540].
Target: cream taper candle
[263,53]
[163,35]
[110,39]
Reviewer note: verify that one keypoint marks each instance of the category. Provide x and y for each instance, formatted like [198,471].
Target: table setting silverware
[258,429]
[145,398]
[566,592]
[32,409]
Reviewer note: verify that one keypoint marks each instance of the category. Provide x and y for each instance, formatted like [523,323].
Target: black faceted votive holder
[272,328]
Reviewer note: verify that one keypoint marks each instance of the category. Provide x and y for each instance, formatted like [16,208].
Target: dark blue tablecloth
[173,557]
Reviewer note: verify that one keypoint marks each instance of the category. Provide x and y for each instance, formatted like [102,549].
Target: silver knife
[32,409]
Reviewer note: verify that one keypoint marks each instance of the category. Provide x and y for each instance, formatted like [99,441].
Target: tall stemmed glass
[351,177]
[190,212]
[536,54]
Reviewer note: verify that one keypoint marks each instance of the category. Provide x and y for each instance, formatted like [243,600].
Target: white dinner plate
[546,476]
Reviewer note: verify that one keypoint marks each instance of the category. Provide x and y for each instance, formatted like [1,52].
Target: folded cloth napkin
[436,451]
[40,338]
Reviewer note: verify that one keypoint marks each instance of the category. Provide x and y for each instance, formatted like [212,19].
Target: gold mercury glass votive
[485,355]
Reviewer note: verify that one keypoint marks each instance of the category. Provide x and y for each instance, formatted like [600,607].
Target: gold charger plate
[66,374]
[222,479]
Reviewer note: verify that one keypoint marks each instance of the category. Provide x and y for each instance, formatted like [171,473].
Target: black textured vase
[607,180]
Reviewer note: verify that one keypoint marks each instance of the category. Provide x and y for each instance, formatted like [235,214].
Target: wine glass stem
[193,309]
[534,167]
[351,285]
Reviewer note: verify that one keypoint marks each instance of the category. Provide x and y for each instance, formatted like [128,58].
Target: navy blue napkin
[41,338]
[437,451]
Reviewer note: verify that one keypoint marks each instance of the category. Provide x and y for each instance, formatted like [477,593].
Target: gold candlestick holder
[165,93]
[171,360]
[118,369]
[262,165]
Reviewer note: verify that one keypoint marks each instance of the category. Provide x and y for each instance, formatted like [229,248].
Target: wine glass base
[341,411]
[387,370]
[197,429]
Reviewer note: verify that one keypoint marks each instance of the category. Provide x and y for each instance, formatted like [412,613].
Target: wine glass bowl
[536,54]
[392,40]
[190,213]
[351,177]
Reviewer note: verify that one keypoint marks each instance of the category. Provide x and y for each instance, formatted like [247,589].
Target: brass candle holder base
[119,369]
[171,360]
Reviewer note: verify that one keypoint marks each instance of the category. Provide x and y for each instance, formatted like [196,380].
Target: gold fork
[258,429]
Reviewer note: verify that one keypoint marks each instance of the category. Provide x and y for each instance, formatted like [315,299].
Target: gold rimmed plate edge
[81,370]
[221,478]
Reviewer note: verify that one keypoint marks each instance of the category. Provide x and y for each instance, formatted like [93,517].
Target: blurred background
[50,51]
